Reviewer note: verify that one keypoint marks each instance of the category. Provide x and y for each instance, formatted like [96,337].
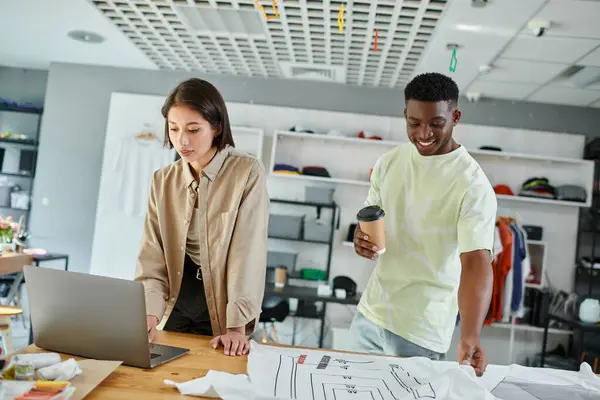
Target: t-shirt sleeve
[374,197]
[477,220]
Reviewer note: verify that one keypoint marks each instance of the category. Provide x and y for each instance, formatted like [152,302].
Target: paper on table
[218,384]
[94,372]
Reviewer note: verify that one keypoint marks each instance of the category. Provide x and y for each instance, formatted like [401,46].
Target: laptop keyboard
[154,355]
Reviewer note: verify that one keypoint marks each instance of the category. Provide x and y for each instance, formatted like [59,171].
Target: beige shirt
[233,207]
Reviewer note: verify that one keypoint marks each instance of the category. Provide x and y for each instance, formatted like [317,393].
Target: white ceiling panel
[502,90]
[177,34]
[572,18]
[481,33]
[527,72]
[592,59]
[550,49]
[34,34]
[300,39]
[564,95]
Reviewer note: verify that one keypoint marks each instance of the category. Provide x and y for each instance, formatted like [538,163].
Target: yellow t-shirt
[437,207]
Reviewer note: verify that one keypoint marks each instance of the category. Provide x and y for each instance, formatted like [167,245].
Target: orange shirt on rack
[501,266]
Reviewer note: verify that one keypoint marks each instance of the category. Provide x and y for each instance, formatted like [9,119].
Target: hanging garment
[501,268]
[520,253]
[135,162]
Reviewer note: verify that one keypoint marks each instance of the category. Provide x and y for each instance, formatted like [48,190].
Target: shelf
[522,199]
[303,203]
[473,152]
[534,285]
[529,328]
[525,199]
[299,240]
[18,108]
[14,209]
[527,157]
[536,242]
[16,175]
[340,139]
[20,142]
[321,179]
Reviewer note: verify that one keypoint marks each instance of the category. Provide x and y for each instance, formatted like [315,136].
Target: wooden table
[135,383]
[12,263]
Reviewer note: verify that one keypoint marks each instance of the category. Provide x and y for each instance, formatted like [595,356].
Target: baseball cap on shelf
[503,189]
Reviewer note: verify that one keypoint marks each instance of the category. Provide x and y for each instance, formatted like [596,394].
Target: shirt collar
[211,170]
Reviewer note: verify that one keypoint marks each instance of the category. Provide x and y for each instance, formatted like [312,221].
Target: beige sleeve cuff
[242,312]
[155,304]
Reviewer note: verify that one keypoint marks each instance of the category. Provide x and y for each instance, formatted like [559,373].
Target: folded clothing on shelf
[363,135]
[15,105]
[316,171]
[286,169]
[299,128]
[490,148]
[571,193]
[538,187]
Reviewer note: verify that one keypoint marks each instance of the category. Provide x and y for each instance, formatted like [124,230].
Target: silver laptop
[93,317]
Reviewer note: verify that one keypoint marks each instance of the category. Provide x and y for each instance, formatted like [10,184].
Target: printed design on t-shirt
[340,379]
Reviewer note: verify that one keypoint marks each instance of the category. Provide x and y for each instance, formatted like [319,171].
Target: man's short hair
[433,87]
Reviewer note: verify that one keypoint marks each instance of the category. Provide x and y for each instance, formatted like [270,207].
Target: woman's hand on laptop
[151,322]
[234,342]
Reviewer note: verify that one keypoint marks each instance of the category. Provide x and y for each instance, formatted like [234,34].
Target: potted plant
[8,229]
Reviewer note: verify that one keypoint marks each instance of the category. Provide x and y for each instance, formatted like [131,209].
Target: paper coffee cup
[371,223]
[280,275]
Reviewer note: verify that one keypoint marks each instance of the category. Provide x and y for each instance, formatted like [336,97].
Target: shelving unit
[297,275]
[393,143]
[514,327]
[385,145]
[249,140]
[334,225]
[30,142]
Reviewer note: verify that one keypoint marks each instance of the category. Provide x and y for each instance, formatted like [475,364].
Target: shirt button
[182,248]
[172,299]
[179,274]
[185,221]
[193,194]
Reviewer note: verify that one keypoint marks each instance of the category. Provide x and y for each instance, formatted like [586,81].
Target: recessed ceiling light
[86,36]
[453,46]
[485,68]
[469,28]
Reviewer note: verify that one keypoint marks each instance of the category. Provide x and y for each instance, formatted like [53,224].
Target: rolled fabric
[64,371]
[40,360]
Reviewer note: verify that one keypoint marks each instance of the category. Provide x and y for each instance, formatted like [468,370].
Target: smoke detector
[538,26]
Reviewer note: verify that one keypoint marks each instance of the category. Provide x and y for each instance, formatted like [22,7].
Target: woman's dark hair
[204,98]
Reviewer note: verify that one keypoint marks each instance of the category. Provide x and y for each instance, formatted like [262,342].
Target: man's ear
[456,114]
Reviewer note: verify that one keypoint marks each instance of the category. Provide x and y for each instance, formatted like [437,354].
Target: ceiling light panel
[233,37]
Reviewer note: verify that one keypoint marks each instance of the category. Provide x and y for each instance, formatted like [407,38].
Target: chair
[5,327]
[274,308]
